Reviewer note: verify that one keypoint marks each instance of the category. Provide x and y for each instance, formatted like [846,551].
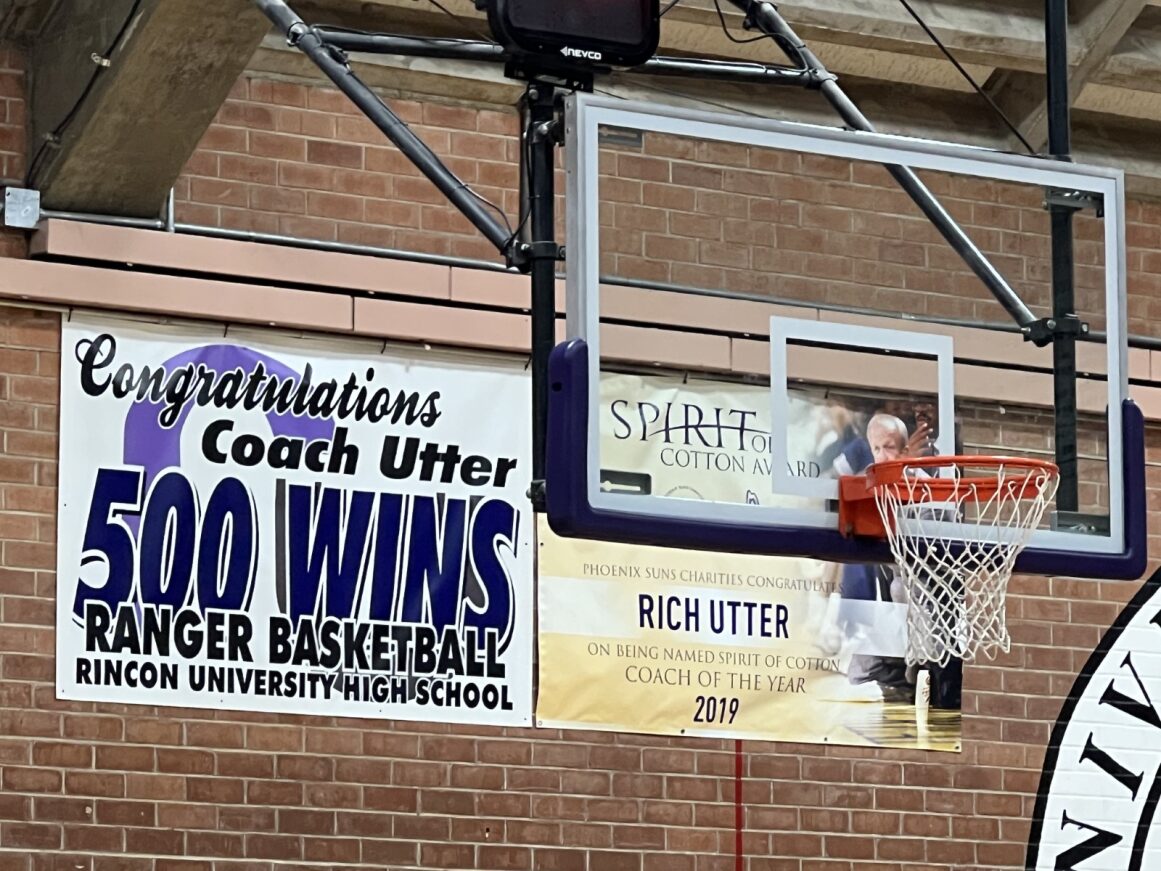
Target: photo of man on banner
[893,429]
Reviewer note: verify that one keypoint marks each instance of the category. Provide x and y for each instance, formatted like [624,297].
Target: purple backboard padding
[570,514]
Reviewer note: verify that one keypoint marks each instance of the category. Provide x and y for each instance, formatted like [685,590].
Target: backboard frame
[575,502]
[784,331]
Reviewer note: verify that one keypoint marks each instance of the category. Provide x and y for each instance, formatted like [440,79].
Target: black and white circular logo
[1097,806]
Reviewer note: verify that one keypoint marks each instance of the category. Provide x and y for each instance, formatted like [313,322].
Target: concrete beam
[1135,63]
[22,19]
[866,38]
[1007,33]
[1022,95]
[122,90]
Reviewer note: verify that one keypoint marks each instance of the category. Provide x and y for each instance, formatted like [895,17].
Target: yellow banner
[674,642]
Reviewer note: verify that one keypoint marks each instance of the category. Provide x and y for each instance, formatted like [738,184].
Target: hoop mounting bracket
[1076,200]
[1045,330]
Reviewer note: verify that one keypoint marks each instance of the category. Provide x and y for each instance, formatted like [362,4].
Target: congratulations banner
[299,526]
[674,642]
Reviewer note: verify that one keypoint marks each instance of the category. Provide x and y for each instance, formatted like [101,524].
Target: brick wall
[287,158]
[122,788]
[12,133]
[119,788]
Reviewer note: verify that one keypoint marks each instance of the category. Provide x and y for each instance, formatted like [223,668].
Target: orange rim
[892,472]
[858,514]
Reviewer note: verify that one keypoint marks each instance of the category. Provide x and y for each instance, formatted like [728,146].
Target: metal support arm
[538,112]
[489,52]
[766,17]
[1063,287]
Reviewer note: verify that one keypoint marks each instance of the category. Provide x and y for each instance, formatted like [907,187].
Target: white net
[955,533]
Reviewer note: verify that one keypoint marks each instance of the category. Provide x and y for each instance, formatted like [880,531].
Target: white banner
[264,523]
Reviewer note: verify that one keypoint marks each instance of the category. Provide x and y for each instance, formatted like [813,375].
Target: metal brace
[1044,331]
[521,256]
[1075,200]
[552,130]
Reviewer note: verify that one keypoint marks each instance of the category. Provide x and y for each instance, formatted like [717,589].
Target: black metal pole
[1063,293]
[766,16]
[490,52]
[336,69]
[538,110]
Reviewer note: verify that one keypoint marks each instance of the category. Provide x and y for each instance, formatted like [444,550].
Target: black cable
[669,6]
[963,72]
[726,29]
[487,202]
[52,140]
[324,29]
[526,162]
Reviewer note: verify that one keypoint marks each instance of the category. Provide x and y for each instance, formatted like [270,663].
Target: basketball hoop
[955,526]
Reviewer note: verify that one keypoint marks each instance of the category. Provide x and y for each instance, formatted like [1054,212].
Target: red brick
[16,807]
[276,793]
[246,819]
[277,145]
[246,764]
[37,836]
[187,815]
[391,853]
[124,758]
[213,844]
[215,735]
[126,813]
[93,728]
[389,798]
[514,858]
[338,850]
[447,855]
[334,154]
[48,809]
[104,839]
[383,743]
[281,847]
[608,861]
[363,770]
[182,865]
[274,738]
[306,822]
[215,790]
[31,779]
[98,783]
[154,841]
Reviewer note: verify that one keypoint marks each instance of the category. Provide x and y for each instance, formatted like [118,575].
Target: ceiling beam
[1023,95]
[866,38]
[1008,35]
[120,92]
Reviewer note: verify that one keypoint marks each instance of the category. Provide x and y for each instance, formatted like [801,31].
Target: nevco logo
[1102,776]
[583,54]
